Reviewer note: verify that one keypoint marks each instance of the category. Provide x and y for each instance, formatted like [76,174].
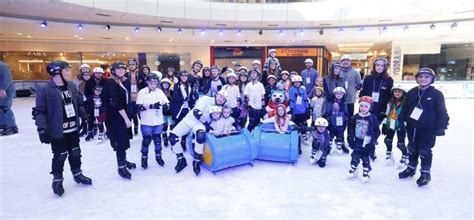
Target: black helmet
[334,65]
[134,60]
[117,65]
[254,70]
[426,70]
[145,66]
[206,69]
[183,72]
[197,62]
[56,67]
[99,88]
[152,78]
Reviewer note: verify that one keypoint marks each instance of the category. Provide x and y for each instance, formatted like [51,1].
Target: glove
[439,132]
[384,130]
[155,106]
[44,136]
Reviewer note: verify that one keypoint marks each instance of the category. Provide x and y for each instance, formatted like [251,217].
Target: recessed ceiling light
[81,38]
[76,35]
[28,36]
[19,34]
[80,26]
[44,24]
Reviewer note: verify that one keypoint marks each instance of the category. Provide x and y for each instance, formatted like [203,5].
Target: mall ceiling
[343,26]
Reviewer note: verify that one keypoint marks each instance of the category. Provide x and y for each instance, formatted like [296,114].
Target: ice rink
[265,191]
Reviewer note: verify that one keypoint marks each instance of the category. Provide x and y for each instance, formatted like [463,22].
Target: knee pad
[146,140]
[173,139]
[157,138]
[200,136]
[75,152]
[60,157]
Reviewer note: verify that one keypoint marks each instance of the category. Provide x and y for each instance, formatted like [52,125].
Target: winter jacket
[331,115]
[294,94]
[383,87]
[178,100]
[6,84]
[352,83]
[310,77]
[361,126]
[329,84]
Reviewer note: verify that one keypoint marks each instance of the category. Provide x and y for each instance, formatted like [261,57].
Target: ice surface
[267,190]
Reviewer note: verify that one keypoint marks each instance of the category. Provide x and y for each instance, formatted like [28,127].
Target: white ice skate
[403,163]
[339,149]
[352,173]
[365,178]
[315,157]
[389,161]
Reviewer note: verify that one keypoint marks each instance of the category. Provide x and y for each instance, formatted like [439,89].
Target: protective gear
[145,143]
[399,87]
[334,65]
[215,109]
[270,77]
[144,66]
[57,185]
[296,78]
[271,50]
[117,65]
[165,80]
[224,94]
[84,65]
[254,62]
[98,88]
[56,67]
[152,78]
[382,59]
[339,89]
[206,69]
[321,122]
[243,68]
[197,62]
[308,61]
[133,60]
[183,73]
[346,57]
[285,72]
[231,73]
[44,136]
[157,73]
[200,136]
[98,70]
[173,138]
[181,164]
[428,71]
[366,99]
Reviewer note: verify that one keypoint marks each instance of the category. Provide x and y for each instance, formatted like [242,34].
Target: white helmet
[166,80]
[215,109]
[346,57]
[399,87]
[84,65]
[296,78]
[256,62]
[98,70]
[272,50]
[285,72]
[223,93]
[339,89]
[230,72]
[158,73]
[271,76]
[308,61]
[321,122]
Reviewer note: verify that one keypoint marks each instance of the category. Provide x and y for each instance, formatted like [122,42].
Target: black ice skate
[424,179]
[159,160]
[352,172]
[365,176]
[9,131]
[181,164]
[123,172]
[389,159]
[197,164]
[165,139]
[322,162]
[58,185]
[130,165]
[80,178]
[90,136]
[408,172]
[144,162]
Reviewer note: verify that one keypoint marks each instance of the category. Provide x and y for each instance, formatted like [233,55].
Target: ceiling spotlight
[137,29]
[321,32]
[180,31]
[301,32]
[44,24]
[80,27]
[341,29]
[260,32]
[107,27]
[432,26]
[221,32]
[405,28]
[203,31]
[384,29]
[280,33]
[239,32]
[361,28]
[454,26]
[159,29]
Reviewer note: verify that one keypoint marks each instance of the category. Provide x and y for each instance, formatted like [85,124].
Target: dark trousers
[133,109]
[66,147]
[361,153]
[236,115]
[254,118]
[338,133]
[420,143]
[401,135]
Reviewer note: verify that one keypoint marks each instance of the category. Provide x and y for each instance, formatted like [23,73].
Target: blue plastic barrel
[274,146]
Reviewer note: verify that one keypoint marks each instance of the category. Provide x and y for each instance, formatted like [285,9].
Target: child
[271,80]
[234,94]
[58,104]
[216,83]
[281,119]
[426,117]
[285,82]
[299,105]
[99,111]
[321,141]
[170,74]
[152,102]
[391,125]
[216,125]
[318,104]
[167,116]
[363,134]
[243,106]
[229,122]
[271,58]
[255,96]
[336,113]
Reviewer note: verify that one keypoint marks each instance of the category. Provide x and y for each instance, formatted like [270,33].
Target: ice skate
[159,160]
[365,176]
[408,172]
[181,164]
[389,161]
[424,179]
[352,172]
[144,162]
[80,178]
[123,172]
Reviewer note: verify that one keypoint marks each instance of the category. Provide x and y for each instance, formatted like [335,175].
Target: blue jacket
[294,94]
[6,84]
[310,75]
[434,116]
[383,87]
[363,126]
[331,116]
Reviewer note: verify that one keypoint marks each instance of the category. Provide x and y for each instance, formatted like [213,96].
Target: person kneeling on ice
[426,117]
[194,122]
[152,102]
[320,145]
[363,134]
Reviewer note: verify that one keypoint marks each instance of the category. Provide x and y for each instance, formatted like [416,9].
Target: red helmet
[366,99]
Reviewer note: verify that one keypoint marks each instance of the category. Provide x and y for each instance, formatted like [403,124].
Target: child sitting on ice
[281,119]
[320,144]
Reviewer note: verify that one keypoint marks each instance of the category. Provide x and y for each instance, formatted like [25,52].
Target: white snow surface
[268,190]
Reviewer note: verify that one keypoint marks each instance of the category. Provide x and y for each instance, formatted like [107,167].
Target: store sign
[397,61]
[36,53]
[296,52]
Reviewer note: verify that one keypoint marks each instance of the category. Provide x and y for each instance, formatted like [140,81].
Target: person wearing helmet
[310,75]
[137,82]
[336,113]
[97,113]
[391,126]
[167,115]
[56,114]
[378,85]
[352,83]
[426,117]
[363,133]
[145,70]
[215,126]
[7,91]
[271,58]
[256,64]
[184,99]
[194,78]
[237,66]
[152,102]
[320,145]
[271,70]
[94,81]
[194,123]
[243,106]
[170,74]
[80,82]
[234,94]
[206,78]
[118,123]
[299,105]
[271,85]
[216,83]
[317,104]
[255,98]
[285,82]
[333,80]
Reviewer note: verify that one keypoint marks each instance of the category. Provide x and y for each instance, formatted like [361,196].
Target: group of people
[168,107]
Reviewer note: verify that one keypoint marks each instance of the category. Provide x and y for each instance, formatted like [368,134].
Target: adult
[352,83]
[80,81]
[206,78]
[137,82]
[333,80]
[170,74]
[116,99]
[256,64]
[93,82]
[7,91]
[309,75]
[145,70]
[378,85]
[272,70]
[194,78]
[194,122]
[255,98]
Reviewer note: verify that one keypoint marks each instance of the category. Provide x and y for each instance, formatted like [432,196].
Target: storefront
[292,58]
[230,56]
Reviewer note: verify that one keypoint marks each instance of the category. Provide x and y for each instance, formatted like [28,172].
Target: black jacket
[178,100]
[384,87]
[48,112]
